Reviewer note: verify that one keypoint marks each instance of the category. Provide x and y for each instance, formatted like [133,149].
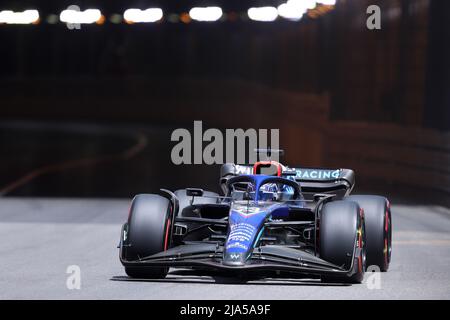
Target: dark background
[73,102]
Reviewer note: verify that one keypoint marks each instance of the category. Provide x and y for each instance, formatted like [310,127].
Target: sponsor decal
[247,210]
[243,230]
[243,169]
[317,174]
[240,235]
[237,245]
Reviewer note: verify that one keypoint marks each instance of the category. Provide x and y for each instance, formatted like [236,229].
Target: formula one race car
[271,220]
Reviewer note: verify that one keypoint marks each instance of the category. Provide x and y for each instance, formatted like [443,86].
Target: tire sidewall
[340,222]
[148,225]
[377,215]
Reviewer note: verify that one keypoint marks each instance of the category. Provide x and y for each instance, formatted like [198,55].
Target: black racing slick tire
[342,240]
[378,220]
[148,231]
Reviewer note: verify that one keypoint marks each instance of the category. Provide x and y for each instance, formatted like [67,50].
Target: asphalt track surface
[42,237]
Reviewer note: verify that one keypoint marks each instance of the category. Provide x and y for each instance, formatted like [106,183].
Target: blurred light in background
[185,17]
[52,19]
[308,4]
[82,17]
[327,2]
[291,10]
[115,18]
[173,18]
[205,13]
[140,16]
[25,17]
[265,14]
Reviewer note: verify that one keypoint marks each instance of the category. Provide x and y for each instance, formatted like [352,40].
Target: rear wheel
[378,220]
[148,231]
[342,240]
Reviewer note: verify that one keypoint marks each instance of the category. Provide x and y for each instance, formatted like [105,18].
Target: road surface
[42,237]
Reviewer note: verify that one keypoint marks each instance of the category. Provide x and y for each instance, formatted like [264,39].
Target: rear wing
[337,181]
[311,180]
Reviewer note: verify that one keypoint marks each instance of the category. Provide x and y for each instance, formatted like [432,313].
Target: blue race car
[272,220]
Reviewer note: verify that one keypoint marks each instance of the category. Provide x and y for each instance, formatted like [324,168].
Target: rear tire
[148,232]
[341,226]
[378,220]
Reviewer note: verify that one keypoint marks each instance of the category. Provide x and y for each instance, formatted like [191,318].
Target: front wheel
[147,232]
[342,240]
[378,218]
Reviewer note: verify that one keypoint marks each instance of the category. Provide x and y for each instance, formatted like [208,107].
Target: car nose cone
[234,259]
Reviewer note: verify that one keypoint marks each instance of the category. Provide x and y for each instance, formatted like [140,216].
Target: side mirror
[194,192]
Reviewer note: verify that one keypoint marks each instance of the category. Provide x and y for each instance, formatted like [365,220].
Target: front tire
[148,231]
[377,213]
[342,240]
